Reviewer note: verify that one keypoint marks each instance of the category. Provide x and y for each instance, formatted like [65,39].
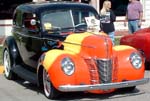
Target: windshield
[64,18]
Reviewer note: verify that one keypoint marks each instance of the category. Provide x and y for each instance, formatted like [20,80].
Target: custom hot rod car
[52,46]
[140,40]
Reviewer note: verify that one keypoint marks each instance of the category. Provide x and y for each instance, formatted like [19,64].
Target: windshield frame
[89,12]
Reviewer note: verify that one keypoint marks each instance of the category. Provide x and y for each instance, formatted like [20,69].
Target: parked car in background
[140,40]
[52,46]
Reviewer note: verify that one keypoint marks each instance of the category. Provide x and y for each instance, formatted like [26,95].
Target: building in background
[6,11]
[119,7]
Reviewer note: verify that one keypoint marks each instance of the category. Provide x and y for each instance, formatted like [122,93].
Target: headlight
[67,66]
[136,60]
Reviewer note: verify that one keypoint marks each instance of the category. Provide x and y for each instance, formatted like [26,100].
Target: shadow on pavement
[113,95]
[81,95]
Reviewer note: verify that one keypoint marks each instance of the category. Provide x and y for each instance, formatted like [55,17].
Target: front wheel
[49,90]
[8,65]
[128,88]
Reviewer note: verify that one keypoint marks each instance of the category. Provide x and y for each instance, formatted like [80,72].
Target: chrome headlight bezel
[67,66]
[136,60]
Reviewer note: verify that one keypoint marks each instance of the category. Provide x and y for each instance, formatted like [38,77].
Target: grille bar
[104,70]
[93,71]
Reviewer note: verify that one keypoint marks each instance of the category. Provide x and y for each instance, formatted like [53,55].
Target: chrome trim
[106,86]
[106,44]
[92,68]
[104,70]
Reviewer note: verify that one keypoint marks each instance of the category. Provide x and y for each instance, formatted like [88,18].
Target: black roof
[42,6]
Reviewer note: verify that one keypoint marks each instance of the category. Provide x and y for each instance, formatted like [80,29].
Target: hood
[89,45]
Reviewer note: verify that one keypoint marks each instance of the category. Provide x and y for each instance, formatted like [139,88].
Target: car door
[29,42]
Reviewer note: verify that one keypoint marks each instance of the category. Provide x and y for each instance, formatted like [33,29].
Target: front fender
[52,63]
[11,46]
[125,70]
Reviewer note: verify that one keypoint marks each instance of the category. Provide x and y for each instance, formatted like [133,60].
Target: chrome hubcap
[46,83]
[7,63]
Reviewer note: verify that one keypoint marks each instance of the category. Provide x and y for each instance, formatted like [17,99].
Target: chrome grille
[104,70]
[94,77]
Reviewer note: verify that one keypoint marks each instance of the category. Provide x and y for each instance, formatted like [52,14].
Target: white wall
[146,6]
[95,4]
[5,27]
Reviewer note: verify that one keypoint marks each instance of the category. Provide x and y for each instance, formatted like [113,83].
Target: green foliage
[117,40]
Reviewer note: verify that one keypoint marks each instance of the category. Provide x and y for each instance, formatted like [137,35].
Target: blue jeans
[133,26]
[112,36]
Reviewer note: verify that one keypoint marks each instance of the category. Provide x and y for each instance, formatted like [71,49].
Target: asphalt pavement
[21,90]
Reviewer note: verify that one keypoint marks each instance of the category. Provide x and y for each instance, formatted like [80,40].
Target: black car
[31,36]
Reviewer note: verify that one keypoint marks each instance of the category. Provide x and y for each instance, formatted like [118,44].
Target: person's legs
[112,36]
[135,25]
[130,27]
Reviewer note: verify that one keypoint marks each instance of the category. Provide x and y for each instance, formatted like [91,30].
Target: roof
[39,7]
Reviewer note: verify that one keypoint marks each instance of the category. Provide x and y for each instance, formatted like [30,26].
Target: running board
[25,74]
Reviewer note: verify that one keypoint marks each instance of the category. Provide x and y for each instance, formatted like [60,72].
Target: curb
[1,69]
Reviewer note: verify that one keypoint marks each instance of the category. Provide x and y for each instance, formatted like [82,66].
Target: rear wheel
[8,65]
[49,90]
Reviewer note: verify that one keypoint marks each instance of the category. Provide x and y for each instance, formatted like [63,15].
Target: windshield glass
[64,18]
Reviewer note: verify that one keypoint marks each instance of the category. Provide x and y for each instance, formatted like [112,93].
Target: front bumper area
[106,86]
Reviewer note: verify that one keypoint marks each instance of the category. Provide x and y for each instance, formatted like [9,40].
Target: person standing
[107,18]
[134,15]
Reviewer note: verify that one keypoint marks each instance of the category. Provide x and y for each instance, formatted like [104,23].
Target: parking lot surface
[21,90]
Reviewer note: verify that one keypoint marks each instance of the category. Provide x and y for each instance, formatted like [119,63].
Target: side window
[14,18]
[79,16]
[29,21]
[17,20]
